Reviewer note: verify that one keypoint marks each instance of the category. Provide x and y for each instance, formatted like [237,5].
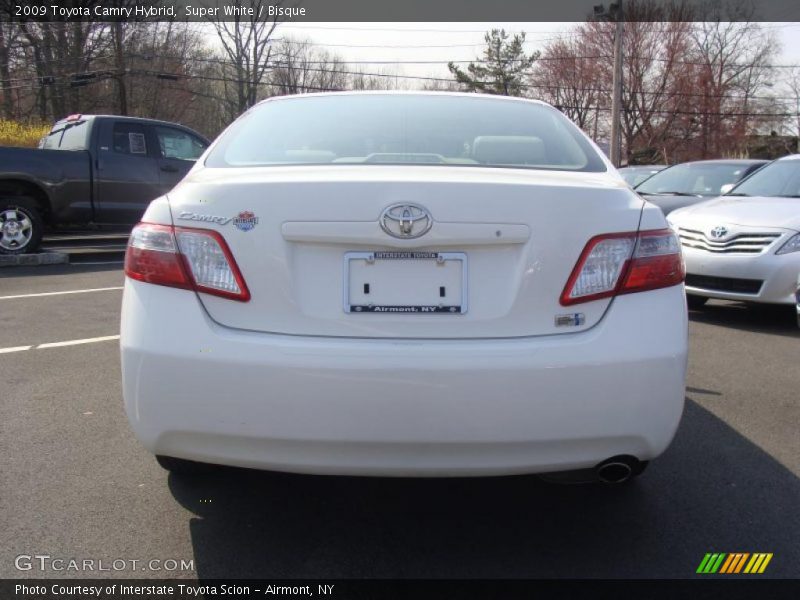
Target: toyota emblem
[719,232]
[406,221]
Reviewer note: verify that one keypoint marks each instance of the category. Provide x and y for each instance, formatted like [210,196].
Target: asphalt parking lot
[74,483]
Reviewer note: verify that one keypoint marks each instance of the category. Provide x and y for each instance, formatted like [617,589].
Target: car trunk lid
[310,246]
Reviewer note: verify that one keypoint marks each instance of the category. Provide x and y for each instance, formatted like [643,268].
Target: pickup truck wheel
[21,225]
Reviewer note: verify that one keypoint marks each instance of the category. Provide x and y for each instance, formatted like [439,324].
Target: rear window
[67,136]
[405,129]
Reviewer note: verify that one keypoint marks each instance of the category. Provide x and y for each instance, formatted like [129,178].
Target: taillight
[152,257]
[623,263]
[192,259]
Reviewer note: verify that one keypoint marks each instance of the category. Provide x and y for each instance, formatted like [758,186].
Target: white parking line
[105,338]
[15,349]
[106,289]
[94,340]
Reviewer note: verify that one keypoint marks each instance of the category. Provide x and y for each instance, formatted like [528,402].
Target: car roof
[84,117]
[497,97]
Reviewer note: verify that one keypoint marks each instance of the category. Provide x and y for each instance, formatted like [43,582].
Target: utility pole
[614,13]
[119,51]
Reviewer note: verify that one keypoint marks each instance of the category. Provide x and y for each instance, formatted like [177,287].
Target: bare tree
[568,77]
[7,39]
[361,80]
[435,84]
[301,68]
[690,89]
[793,83]
[731,54]
[246,42]
[61,54]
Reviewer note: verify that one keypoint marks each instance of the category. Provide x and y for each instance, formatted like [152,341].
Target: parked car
[404,284]
[90,169]
[745,245]
[636,174]
[797,298]
[692,182]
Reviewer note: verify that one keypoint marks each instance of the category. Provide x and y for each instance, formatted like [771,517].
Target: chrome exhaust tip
[618,469]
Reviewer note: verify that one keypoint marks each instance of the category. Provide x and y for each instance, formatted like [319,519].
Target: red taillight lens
[195,259]
[656,263]
[152,257]
[623,263]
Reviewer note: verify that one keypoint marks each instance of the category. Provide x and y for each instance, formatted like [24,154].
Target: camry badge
[245,220]
[406,221]
[190,216]
[719,232]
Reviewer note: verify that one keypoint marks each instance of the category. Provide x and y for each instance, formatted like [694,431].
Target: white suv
[404,284]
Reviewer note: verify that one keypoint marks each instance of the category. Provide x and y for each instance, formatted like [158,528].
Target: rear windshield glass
[405,129]
[69,136]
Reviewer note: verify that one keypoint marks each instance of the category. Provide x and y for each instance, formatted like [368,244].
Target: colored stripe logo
[735,562]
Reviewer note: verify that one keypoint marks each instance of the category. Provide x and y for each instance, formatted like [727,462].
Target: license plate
[395,282]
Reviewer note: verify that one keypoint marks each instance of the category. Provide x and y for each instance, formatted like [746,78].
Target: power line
[305,87]
[557,31]
[342,68]
[541,59]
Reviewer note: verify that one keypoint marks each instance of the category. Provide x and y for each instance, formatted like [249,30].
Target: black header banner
[316,11]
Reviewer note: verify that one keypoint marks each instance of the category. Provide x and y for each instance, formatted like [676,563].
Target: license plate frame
[402,255]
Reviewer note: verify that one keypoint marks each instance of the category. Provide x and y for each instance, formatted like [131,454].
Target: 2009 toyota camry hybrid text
[404,284]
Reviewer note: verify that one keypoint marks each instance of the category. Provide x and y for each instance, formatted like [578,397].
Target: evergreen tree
[503,68]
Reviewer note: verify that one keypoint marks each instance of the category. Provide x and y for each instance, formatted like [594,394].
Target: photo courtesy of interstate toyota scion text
[404,284]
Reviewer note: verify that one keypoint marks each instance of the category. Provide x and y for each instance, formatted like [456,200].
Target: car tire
[180,466]
[21,225]
[696,302]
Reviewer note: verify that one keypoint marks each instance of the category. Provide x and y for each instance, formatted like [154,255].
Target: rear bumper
[199,391]
[778,273]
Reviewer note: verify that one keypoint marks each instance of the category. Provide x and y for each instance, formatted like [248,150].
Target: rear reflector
[623,263]
[194,259]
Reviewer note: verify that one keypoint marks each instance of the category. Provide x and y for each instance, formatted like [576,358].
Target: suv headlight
[791,245]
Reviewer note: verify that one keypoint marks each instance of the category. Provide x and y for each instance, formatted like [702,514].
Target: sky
[452,41]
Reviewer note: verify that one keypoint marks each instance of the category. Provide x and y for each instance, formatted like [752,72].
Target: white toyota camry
[404,284]
[745,245]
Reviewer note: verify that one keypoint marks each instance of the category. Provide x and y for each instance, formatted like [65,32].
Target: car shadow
[712,491]
[758,318]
